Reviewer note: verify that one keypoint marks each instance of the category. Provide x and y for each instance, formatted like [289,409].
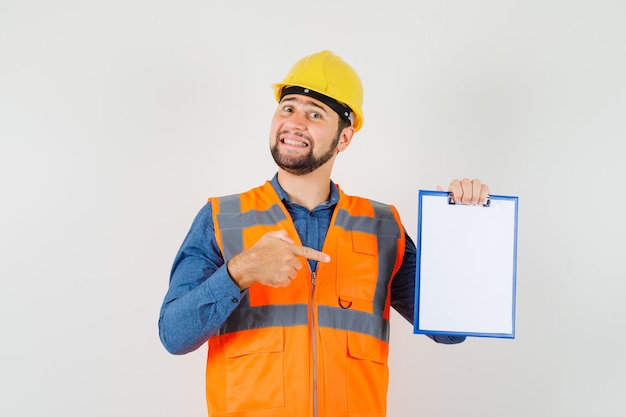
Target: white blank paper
[465,281]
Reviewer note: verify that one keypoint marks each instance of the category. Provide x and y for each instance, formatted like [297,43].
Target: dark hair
[343,123]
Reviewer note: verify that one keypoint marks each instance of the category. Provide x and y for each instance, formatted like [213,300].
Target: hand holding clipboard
[467,191]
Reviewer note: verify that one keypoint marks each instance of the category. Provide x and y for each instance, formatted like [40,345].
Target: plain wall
[119,118]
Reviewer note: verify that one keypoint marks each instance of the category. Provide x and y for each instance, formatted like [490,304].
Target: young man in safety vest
[290,336]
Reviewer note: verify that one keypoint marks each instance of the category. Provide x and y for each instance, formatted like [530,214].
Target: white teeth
[294,142]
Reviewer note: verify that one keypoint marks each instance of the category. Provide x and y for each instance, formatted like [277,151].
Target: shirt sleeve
[201,293]
[403,291]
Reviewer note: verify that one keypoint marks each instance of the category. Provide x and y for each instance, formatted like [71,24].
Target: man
[291,282]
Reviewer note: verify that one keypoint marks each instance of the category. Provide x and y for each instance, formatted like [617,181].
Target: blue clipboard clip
[487,202]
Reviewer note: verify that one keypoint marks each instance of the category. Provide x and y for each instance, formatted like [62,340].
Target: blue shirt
[202,295]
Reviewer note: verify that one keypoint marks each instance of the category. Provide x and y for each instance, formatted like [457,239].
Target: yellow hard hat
[327,74]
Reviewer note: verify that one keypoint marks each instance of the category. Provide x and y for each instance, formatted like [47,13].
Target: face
[304,134]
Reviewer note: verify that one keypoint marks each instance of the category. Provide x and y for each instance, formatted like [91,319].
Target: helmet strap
[341,109]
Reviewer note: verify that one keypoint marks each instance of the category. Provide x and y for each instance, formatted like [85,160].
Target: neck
[309,190]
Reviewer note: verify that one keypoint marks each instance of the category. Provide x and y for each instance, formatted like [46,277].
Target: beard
[303,164]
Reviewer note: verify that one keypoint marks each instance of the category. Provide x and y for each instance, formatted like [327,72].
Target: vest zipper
[313,342]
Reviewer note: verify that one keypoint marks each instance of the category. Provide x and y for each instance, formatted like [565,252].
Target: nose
[297,120]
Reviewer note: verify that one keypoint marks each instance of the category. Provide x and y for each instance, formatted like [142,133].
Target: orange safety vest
[318,347]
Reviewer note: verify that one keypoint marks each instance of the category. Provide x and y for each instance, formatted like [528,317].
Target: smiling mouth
[294,142]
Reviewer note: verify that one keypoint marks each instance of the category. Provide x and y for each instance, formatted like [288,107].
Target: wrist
[236,274]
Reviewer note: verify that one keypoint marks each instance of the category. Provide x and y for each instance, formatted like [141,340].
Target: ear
[345,137]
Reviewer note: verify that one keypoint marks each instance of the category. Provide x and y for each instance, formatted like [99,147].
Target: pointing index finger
[310,253]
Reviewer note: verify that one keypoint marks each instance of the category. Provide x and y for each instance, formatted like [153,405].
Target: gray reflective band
[385,226]
[296,315]
[232,242]
[354,321]
[232,239]
[387,231]
[230,204]
[265,316]
[231,222]
[239,220]
[387,250]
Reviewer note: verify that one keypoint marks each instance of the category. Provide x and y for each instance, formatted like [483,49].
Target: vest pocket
[254,370]
[367,375]
[357,266]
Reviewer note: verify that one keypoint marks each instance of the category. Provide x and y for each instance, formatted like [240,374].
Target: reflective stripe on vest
[296,315]
[232,221]
[387,231]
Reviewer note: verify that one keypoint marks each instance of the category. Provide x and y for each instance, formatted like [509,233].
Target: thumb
[439,188]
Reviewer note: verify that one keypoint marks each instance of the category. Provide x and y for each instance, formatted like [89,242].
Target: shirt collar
[334,193]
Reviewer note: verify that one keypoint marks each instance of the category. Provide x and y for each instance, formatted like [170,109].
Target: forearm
[187,322]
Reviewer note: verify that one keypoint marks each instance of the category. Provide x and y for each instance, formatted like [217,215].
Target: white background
[119,118]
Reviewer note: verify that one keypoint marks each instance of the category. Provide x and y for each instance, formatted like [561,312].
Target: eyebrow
[302,100]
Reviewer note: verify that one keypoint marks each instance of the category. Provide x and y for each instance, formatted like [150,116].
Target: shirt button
[234,300]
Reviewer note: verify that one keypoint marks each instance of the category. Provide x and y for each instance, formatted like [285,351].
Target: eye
[315,115]
[287,108]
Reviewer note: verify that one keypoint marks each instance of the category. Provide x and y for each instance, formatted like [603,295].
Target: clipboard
[465,279]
